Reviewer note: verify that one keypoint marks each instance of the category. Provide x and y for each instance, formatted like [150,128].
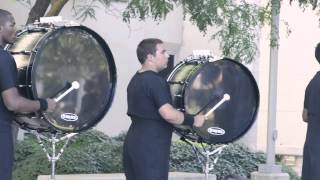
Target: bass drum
[49,59]
[198,84]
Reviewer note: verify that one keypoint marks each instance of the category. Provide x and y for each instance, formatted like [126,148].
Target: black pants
[146,152]
[6,153]
[311,158]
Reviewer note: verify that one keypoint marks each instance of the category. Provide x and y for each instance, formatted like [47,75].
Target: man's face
[8,30]
[161,57]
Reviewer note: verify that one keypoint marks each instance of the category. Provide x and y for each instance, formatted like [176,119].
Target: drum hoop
[31,93]
[112,73]
[256,89]
[182,132]
[187,78]
[191,74]
[25,126]
[255,85]
[174,70]
[34,62]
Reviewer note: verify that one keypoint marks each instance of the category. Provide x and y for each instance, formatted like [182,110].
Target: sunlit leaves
[144,8]
[235,24]
[307,3]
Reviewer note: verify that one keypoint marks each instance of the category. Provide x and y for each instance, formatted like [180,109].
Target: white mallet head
[226,97]
[75,84]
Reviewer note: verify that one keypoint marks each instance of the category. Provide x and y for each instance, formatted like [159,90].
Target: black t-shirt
[312,98]
[147,144]
[146,93]
[8,79]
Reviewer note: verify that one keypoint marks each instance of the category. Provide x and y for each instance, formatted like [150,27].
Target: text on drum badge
[69,117]
[216,131]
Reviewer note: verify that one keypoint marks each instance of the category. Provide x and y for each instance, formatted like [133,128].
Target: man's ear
[149,56]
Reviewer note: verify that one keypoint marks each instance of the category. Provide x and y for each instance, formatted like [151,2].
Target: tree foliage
[235,24]
[81,8]
[308,3]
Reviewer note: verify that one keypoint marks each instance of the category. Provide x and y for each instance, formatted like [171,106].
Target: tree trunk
[56,7]
[38,10]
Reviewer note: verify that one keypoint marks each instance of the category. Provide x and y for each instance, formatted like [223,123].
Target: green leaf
[234,24]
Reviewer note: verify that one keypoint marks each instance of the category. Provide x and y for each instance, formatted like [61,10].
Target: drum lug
[21,86]
[180,109]
[177,82]
[178,95]
[23,52]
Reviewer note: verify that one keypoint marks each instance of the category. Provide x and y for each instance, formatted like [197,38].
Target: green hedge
[234,159]
[95,152]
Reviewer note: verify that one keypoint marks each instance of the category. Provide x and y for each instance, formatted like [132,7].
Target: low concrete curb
[120,176]
[269,176]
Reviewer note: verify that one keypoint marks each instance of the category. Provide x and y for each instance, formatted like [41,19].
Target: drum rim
[187,79]
[27,127]
[22,124]
[112,69]
[181,132]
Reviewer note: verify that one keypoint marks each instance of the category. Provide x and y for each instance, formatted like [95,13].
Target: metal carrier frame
[206,152]
[54,139]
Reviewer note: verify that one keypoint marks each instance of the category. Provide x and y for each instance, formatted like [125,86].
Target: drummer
[147,144]
[10,100]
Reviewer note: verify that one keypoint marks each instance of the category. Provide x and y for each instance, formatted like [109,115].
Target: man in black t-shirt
[10,100]
[311,115]
[147,144]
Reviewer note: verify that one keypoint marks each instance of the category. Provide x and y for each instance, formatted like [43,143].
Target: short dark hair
[317,53]
[147,46]
[4,14]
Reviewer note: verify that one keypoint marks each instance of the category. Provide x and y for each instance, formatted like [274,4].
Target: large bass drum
[197,84]
[48,60]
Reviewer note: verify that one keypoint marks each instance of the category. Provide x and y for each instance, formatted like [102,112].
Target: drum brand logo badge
[216,131]
[69,117]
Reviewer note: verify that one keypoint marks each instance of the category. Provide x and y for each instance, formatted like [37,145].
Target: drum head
[74,54]
[207,87]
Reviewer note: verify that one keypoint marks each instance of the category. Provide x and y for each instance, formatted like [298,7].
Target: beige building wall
[122,40]
[296,64]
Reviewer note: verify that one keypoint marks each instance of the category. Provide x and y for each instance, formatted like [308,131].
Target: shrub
[89,152]
[95,152]
[234,159]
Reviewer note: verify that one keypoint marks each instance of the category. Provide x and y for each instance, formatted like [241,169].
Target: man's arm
[305,115]
[15,102]
[173,116]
